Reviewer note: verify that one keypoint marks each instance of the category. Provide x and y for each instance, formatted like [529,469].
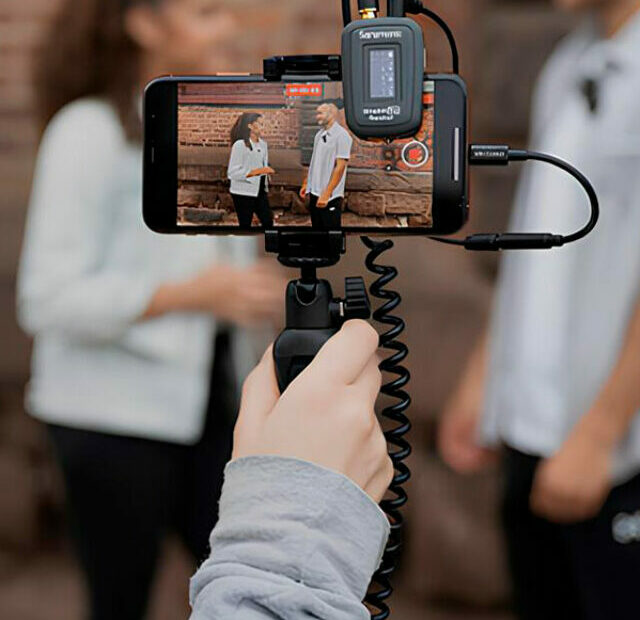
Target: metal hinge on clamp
[306,249]
[290,68]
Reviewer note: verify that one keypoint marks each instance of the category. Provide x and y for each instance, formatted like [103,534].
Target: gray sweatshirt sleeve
[294,540]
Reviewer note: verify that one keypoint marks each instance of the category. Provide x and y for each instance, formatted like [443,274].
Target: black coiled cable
[502,155]
[399,448]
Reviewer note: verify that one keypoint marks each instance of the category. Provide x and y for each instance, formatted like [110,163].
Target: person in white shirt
[132,369]
[555,380]
[248,171]
[326,179]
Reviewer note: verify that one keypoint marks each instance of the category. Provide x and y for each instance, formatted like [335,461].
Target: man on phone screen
[327,175]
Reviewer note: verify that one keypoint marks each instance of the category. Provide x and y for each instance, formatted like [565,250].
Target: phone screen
[263,155]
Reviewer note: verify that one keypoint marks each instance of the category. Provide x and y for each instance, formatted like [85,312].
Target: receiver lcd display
[382,73]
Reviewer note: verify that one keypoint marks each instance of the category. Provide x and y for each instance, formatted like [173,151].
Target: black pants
[570,572]
[124,495]
[246,206]
[329,218]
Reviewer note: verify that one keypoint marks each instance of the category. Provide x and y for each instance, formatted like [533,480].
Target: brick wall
[208,126]
[206,115]
[24,463]
[28,484]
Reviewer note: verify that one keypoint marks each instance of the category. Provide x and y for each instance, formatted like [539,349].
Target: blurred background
[453,563]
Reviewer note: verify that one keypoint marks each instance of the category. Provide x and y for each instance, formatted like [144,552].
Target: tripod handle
[314,316]
[295,349]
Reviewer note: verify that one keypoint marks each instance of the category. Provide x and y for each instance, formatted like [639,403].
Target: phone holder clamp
[316,66]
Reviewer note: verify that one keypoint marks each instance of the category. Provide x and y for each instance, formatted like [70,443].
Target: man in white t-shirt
[327,174]
[555,381]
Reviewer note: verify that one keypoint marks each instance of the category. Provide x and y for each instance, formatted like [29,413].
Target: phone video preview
[260,155]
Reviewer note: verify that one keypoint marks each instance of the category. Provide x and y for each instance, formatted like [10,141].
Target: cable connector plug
[513,241]
[489,155]
[500,155]
[413,7]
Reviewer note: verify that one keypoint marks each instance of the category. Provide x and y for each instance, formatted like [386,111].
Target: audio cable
[499,155]
[415,7]
[369,9]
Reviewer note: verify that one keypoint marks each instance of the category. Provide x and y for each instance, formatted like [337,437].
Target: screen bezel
[160,187]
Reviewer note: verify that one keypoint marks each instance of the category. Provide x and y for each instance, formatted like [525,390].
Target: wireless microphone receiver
[383,71]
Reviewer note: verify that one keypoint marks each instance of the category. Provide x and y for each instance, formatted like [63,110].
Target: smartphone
[240,155]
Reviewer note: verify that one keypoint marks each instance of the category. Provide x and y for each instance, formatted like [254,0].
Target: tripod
[313,316]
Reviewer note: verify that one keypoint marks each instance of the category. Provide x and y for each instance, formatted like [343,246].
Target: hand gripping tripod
[313,315]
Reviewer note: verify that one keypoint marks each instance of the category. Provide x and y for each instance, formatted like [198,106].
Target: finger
[379,485]
[468,459]
[552,507]
[565,510]
[541,505]
[251,319]
[382,478]
[265,291]
[261,276]
[260,392]
[555,512]
[266,265]
[264,299]
[265,279]
[538,498]
[344,357]
[370,379]
[266,283]
[264,309]
[274,286]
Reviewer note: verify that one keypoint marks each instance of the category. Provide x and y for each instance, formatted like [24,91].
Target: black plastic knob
[356,301]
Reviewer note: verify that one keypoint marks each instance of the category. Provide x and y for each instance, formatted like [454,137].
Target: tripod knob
[356,301]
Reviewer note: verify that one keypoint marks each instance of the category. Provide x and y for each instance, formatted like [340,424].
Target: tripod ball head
[314,316]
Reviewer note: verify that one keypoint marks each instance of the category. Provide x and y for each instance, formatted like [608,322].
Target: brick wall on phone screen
[209,126]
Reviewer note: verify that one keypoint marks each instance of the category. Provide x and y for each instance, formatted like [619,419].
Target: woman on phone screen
[248,171]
